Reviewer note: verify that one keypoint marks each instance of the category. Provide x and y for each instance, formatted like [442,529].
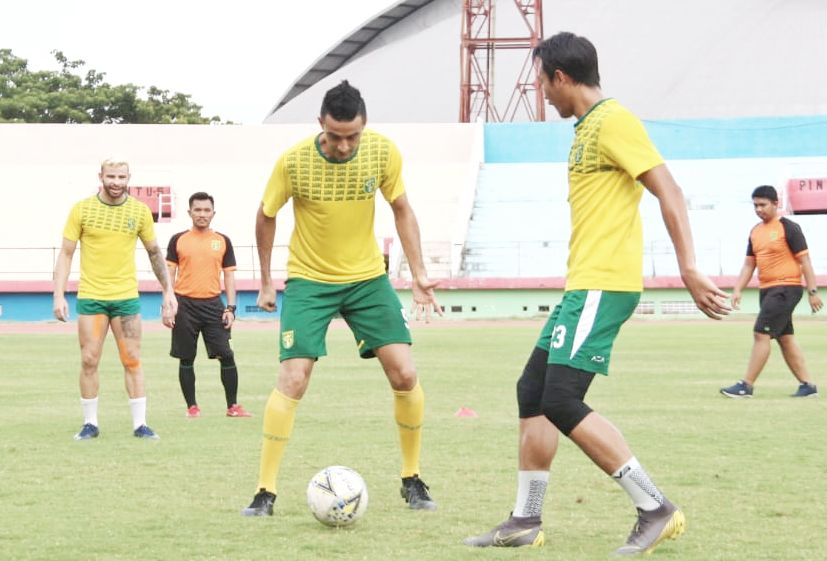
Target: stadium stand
[490,199]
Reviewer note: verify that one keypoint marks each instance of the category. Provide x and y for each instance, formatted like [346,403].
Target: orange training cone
[466,412]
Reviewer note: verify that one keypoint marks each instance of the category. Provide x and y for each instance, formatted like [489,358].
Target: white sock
[138,408]
[531,492]
[636,482]
[90,411]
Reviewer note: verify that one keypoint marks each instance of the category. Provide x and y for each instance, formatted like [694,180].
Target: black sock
[186,376]
[229,377]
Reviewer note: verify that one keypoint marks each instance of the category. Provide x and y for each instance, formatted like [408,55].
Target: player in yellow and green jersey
[108,225]
[335,267]
[610,163]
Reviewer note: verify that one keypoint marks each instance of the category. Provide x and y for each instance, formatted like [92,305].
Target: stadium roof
[739,58]
[349,47]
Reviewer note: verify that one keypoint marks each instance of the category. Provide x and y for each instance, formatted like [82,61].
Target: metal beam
[479,44]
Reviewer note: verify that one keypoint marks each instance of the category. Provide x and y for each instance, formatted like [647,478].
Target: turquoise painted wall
[37,306]
[677,140]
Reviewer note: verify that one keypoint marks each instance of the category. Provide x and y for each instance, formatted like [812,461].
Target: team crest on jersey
[773,236]
[370,185]
[130,223]
[215,245]
[578,154]
[287,339]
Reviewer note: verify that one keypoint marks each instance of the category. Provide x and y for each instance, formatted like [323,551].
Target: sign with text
[807,195]
[157,198]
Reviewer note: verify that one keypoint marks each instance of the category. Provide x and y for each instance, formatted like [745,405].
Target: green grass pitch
[750,475]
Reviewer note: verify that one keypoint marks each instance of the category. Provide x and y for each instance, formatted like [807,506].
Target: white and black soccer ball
[337,496]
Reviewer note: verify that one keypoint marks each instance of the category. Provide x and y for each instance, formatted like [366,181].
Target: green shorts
[582,328]
[371,309]
[110,308]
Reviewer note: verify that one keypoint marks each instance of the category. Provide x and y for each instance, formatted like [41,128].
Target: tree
[66,96]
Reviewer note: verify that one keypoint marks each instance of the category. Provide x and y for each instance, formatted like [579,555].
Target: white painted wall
[45,169]
[520,224]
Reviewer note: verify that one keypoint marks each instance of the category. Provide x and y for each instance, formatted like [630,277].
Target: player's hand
[60,309]
[267,298]
[227,319]
[710,299]
[424,301]
[169,309]
[736,300]
[815,302]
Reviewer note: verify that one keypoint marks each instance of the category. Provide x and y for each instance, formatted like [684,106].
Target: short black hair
[344,103]
[765,192]
[574,55]
[201,196]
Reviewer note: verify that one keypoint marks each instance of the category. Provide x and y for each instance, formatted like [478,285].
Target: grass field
[750,475]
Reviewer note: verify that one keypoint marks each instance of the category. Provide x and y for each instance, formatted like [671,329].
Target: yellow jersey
[107,235]
[333,238]
[610,151]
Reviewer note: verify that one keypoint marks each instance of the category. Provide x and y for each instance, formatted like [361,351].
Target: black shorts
[777,304]
[541,382]
[200,315]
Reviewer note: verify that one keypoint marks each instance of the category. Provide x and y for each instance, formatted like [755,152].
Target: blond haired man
[107,226]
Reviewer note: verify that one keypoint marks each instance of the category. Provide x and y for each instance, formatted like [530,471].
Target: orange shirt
[200,256]
[776,247]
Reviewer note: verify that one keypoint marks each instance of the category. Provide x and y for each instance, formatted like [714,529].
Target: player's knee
[530,384]
[565,412]
[402,377]
[130,362]
[89,359]
[294,378]
[129,355]
[228,360]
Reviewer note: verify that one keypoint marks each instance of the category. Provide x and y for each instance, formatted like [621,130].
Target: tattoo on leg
[131,326]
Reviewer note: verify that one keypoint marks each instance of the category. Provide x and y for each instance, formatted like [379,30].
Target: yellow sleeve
[73,227]
[278,189]
[624,139]
[147,231]
[393,186]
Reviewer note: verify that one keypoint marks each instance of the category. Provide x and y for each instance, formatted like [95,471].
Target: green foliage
[748,474]
[70,96]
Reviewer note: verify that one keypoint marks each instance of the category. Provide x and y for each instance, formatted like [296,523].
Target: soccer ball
[337,496]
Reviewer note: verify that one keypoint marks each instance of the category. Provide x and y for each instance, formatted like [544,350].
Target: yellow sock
[278,425]
[409,411]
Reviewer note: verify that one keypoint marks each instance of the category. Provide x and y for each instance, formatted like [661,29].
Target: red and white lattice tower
[478,46]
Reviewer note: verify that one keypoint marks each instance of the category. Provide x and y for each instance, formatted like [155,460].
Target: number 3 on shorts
[558,336]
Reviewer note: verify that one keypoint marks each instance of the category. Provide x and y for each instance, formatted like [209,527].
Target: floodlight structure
[479,43]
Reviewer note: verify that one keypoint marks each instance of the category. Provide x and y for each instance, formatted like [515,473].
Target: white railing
[506,259]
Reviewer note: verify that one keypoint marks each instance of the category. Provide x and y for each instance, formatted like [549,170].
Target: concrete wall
[521,214]
[44,169]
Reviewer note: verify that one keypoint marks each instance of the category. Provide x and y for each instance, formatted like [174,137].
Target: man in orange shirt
[778,249]
[196,259]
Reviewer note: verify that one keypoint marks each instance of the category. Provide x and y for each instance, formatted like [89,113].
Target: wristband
[230,308]
[812,291]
